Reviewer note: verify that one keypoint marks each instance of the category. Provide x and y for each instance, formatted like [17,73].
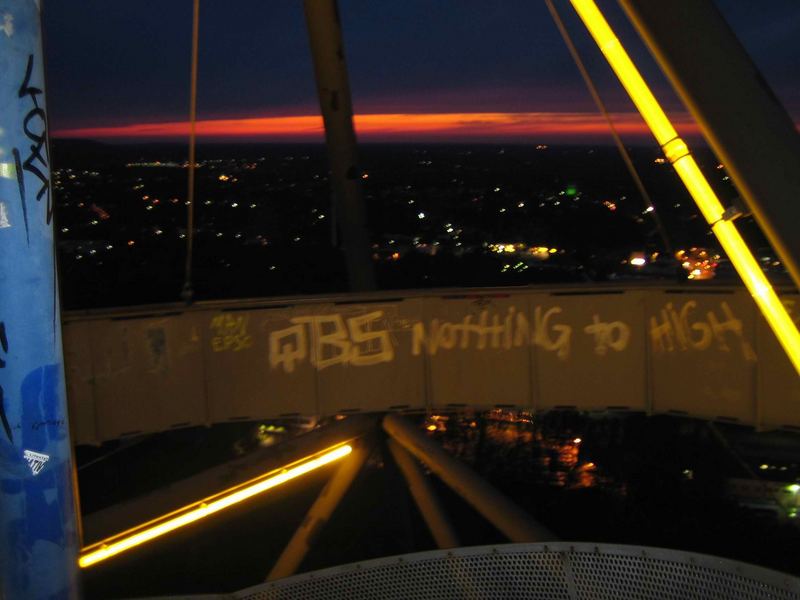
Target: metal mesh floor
[537,571]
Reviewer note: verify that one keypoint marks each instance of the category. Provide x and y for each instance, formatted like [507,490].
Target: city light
[146,532]
[637,259]
[699,262]
[677,152]
[540,252]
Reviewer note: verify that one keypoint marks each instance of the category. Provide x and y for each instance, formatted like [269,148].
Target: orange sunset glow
[391,127]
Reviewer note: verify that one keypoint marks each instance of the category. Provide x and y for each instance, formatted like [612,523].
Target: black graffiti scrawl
[34,125]
[3,351]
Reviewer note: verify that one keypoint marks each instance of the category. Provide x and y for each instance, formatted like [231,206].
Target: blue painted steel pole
[38,534]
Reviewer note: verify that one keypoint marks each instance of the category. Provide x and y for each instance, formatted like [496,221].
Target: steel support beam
[425,498]
[108,522]
[740,117]
[38,531]
[333,88]
[509,518]
[320,513]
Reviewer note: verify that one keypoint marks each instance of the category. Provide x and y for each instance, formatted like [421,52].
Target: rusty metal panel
[589,350]
[364,356]
[148,374]
[702,350]
[257,364]
[778,383]
[477,354]
[80,381]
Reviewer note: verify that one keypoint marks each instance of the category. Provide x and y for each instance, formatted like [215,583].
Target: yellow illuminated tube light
[677,152]
[148,531]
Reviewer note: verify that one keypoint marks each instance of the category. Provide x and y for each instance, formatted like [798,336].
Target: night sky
[113,64]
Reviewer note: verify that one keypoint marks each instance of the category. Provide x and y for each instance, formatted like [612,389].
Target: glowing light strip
[148,531]
[676,150]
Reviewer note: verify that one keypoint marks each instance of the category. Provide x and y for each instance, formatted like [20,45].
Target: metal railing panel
[558,570]
[698,351]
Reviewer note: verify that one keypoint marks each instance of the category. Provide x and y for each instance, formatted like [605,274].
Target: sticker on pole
[4,222]
[35,460]
[8,24]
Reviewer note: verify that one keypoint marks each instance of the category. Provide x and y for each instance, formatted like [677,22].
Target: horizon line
[391,127]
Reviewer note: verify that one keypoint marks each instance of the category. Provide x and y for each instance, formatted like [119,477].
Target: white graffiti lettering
[614,335]
[288,346]
[332,342]
[677,331]
[511,331]
[325,340]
